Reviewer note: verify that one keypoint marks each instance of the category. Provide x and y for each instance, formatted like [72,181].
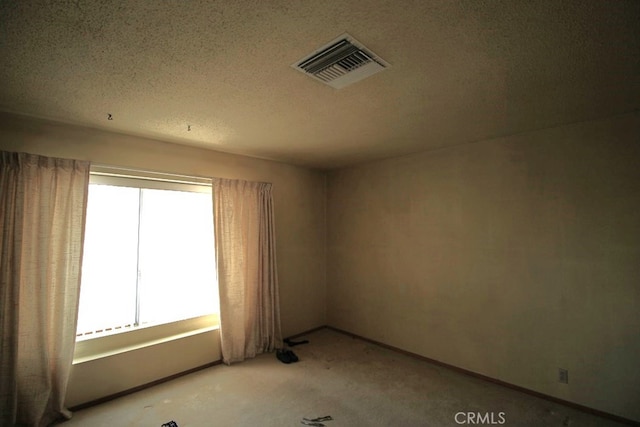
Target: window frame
[94,346]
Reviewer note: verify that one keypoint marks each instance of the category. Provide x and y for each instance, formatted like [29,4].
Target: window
[148,254]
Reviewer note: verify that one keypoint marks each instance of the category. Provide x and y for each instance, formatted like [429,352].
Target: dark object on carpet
[290,343]
[315,422]
[170,424]
[286,356]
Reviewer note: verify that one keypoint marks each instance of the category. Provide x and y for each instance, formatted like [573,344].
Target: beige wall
[299,198]
[510,258]
[106,376]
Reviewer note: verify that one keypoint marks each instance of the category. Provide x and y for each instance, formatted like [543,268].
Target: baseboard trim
[573,405]
[142,387]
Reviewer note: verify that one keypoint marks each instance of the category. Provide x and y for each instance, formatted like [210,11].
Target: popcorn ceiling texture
[460,71]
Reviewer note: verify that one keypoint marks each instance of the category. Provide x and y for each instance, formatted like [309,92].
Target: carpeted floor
[355,382]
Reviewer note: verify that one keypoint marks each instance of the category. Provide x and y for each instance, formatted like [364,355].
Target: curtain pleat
[247,275]
[42,216]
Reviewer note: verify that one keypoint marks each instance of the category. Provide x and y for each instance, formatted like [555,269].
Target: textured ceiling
[461,71]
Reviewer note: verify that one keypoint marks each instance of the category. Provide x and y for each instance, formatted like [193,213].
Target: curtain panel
[42,214]
[247,275]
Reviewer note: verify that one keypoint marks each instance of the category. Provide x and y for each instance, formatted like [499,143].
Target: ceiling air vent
[341,62]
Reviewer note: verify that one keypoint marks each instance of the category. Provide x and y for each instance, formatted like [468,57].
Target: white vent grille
[341,62]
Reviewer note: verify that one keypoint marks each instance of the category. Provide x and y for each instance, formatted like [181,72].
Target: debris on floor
[316,422]
[170,424]
[291,343]
[286,356]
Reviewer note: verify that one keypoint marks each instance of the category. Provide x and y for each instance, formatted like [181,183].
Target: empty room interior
[453,210]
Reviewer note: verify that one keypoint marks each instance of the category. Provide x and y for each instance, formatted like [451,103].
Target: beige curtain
[247,277]
[42,212]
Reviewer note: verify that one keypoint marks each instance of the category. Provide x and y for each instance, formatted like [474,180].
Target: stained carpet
[355,382]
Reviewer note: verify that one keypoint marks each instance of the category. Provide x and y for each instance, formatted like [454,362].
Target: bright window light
[148,258]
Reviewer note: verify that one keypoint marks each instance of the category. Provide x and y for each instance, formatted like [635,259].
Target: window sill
[109,345]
